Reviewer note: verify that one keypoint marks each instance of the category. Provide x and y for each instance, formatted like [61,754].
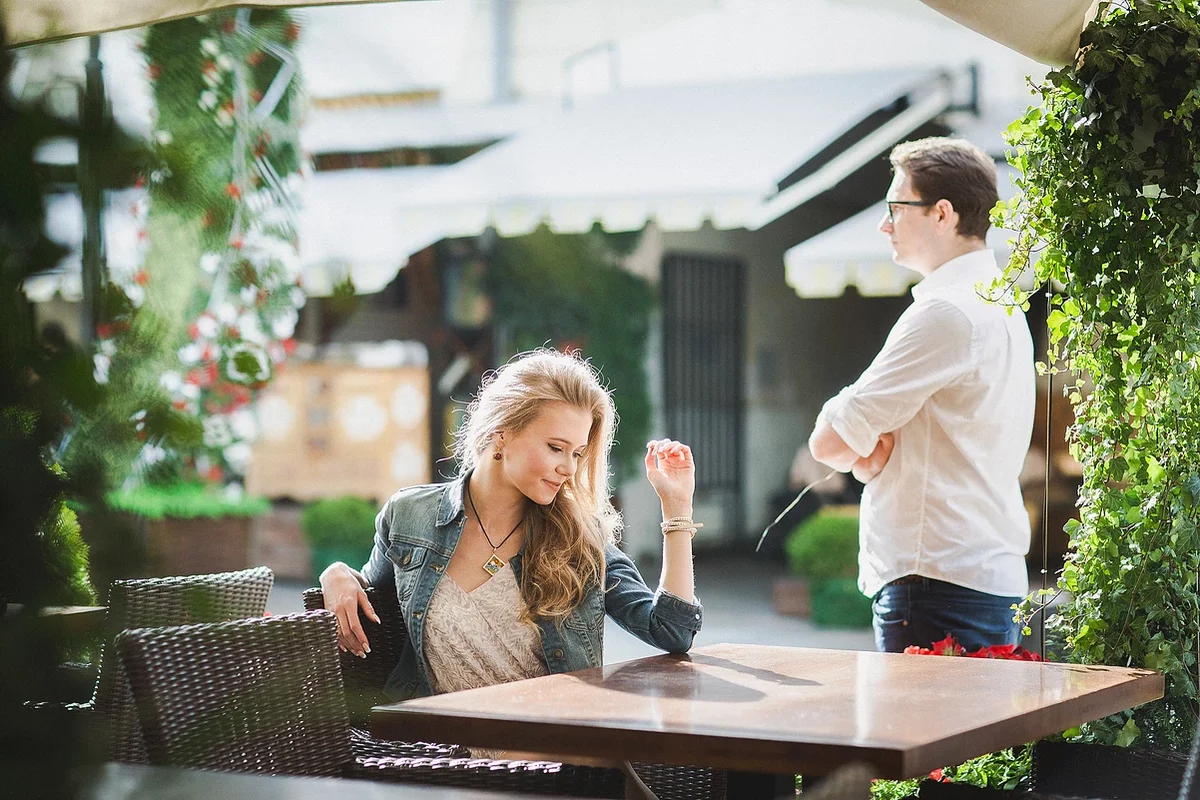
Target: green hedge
[825,545]
[339,522]
[186,501]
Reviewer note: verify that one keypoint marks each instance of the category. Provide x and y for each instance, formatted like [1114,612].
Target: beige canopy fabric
[31,21]
[1045,30]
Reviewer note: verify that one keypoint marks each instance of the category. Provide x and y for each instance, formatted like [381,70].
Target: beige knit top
[476,638]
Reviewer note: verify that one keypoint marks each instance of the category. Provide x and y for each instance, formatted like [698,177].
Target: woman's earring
[496,456]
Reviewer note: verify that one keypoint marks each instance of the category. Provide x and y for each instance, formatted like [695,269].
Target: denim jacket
[415,535]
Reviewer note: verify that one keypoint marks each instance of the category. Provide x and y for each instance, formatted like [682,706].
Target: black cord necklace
[495,563]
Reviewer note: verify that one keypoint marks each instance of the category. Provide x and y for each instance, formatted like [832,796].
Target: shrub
[825,545]
[341,522]
[186,501]
[837,603]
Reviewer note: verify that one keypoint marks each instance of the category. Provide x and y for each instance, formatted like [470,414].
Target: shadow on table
[678,679]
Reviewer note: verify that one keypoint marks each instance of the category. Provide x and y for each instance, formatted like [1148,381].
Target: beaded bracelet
[680,524]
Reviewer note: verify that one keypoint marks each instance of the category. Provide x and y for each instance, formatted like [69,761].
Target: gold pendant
[493,564]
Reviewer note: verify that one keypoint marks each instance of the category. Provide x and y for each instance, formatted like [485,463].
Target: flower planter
[791,596]
[198,546]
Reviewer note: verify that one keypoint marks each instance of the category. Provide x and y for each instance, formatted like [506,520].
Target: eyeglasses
[892,212]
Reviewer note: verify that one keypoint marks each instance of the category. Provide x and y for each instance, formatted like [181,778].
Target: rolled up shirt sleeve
[929,347]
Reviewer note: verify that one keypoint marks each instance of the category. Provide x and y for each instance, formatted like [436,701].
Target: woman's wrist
[676,509]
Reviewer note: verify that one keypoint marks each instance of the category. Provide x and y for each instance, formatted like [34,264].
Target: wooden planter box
[791,596]
[199,546]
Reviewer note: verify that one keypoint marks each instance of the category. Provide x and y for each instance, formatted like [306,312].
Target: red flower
[209,219]
[292,33]
[154,70]
[236,244]
[215,473]
[948,647]
[141,277]
[233,190]
[256,95]
[939,776]
[209,67]
[289,345]
[140,181]
[228,25]
[255,58]
[104,330]
[180,405]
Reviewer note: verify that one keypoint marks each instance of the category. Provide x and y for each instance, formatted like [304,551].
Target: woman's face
[539,459]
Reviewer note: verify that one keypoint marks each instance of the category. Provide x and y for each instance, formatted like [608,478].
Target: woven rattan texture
[256,695]
[152,602]
[1071,770]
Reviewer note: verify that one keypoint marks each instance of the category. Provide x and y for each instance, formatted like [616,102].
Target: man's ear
[946,215]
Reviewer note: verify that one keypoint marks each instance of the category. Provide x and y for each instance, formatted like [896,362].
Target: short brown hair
[955,170]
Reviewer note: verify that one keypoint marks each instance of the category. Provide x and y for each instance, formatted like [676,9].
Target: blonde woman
[508,571]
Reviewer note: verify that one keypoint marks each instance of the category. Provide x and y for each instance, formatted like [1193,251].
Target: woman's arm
[672,473]
[343,588]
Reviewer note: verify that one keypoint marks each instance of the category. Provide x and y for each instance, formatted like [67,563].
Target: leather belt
[906,579]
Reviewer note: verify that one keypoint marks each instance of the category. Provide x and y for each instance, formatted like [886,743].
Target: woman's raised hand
[672,473]
[344,596]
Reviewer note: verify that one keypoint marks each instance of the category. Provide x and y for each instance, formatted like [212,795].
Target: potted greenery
[192,528]
[823,550]
[339,529]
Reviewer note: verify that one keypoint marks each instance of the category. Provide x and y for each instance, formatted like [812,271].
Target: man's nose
[885,224]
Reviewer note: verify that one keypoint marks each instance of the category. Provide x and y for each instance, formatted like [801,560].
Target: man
[938,425]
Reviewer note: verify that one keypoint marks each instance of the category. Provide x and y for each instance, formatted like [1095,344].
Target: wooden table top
[779,709]
[138,782]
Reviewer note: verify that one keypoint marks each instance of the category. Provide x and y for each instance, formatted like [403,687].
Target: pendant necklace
[495,563]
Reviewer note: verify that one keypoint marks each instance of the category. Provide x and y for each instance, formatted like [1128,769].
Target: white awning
[1045,30]
[678,155]
[855,253]
[349,226]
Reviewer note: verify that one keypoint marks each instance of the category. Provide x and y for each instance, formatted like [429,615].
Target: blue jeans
[924,611]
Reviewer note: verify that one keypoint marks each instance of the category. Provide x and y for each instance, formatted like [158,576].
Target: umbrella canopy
[31,21]
[1045,30]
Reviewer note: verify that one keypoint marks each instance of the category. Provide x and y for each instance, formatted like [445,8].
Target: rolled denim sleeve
[658,618]
[378,570]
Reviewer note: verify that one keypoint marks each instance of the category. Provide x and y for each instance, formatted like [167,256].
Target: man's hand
[865,469]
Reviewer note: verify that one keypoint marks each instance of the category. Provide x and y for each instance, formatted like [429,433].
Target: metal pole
[92,133]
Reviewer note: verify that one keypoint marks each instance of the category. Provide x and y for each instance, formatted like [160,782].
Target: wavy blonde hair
[564,551]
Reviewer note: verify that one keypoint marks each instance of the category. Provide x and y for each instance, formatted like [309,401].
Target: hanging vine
[226,89]
[1109,202]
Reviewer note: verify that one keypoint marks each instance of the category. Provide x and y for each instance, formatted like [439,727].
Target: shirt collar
[965,270]
[452,500]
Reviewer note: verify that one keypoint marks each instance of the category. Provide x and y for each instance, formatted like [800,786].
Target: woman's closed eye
[557,449]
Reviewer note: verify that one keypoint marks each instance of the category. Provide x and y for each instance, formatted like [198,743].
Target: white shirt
[955,382]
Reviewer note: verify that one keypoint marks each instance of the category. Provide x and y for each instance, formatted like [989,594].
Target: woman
[499,573]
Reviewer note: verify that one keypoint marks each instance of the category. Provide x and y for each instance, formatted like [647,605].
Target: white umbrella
[30,21]
[1045,30]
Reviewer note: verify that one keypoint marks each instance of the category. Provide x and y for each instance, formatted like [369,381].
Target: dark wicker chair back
[256,695]
[1189,787]
[152,602]
[365,677]
[1106,773]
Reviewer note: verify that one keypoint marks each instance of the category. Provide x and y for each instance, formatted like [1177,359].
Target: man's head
[939,201]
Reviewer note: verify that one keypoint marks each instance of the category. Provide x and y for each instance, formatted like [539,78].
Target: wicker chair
[148,602]
[365,677]
[265,695]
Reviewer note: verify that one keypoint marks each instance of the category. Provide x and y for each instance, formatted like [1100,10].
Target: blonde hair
[564,549]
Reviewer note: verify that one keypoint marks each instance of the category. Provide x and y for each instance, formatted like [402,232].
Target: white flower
[248,295]
[190,391]
[210,46]
[189,354]
[208,100]
[206,324]
[224,63]
[234,491]
[157,176]
[250,328]
[285,324]
[227,313]
[238,457]
[224,118]
[210,263]
[171,381]
[108,347]
[152,454]
[162,137]
[212,77]
[136,295]
[102,362]
[299,298]
[244,424]
[217,432]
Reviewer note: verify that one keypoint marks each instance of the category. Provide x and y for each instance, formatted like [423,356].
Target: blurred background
[293,242]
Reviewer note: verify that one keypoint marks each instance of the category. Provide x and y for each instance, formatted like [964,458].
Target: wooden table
[135,782]
[766,709]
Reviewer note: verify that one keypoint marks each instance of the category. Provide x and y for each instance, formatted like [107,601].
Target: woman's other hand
[344,596]
[672,473]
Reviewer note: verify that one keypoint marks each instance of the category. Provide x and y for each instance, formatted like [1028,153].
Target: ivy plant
[1109,211]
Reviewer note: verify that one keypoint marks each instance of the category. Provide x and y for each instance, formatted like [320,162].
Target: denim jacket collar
[452,500]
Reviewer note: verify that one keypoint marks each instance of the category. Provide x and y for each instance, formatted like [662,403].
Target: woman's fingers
[365,605]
